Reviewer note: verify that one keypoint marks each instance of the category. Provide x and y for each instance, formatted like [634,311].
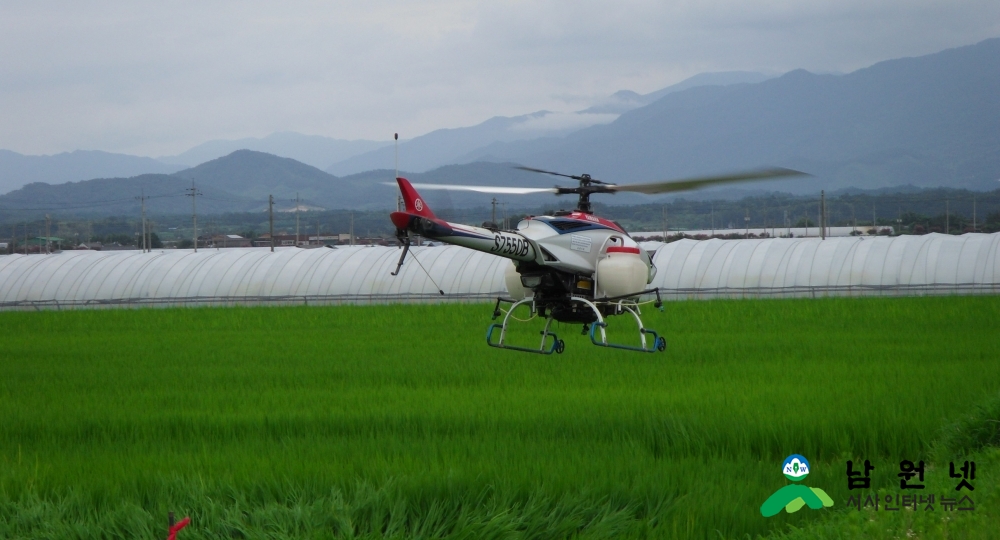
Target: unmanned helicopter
[571,267]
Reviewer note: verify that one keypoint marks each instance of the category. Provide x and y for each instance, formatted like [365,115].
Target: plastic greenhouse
[902,265]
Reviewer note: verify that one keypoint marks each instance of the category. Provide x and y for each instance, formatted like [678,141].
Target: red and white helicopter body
[571,267]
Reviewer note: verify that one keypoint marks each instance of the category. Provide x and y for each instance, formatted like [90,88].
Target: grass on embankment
[400,421]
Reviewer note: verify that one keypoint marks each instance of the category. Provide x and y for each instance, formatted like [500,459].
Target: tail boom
[419,219]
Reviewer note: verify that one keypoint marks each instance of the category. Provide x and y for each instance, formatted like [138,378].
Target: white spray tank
[621,273]
[513,282]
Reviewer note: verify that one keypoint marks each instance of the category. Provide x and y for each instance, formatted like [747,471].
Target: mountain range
[243,181]
[343,157]
[17,170]
[927,121]
[312,150]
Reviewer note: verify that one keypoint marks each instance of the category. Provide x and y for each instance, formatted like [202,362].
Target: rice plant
[399,421]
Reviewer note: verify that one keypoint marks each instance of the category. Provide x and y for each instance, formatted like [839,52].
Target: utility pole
[270,219]
[973,213]
[145,243]
[142,199]
[395,137]
[874,221]
[713,220]
[296,219]
[947,216]
[788,225]
[194,213]
[854,222]
[746,221]
[352,229]
[493,216]
[318,243]
[48,233]
[822,214]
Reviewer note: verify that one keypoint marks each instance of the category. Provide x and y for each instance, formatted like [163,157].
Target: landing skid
[658,342]
[556,345]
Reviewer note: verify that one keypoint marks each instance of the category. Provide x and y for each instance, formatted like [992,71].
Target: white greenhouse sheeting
[246,276]
[902,265]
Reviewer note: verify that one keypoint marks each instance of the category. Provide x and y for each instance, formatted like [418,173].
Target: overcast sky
[155,78]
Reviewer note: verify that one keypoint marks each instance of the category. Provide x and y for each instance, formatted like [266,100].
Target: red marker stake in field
[174,529]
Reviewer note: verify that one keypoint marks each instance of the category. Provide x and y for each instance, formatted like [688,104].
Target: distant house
[304,239]
[228,241]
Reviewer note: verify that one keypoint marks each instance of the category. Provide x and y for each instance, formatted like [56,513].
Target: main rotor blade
[487,189]
[529,169]
[574,177]
[696,183]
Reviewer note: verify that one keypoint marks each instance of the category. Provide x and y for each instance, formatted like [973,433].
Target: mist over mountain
[926,121]
[447,146]
[627,100]
[16,170]
[313,150]
[466,144]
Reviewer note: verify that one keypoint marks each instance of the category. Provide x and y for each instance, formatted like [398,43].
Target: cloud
[157,78]
[562,121]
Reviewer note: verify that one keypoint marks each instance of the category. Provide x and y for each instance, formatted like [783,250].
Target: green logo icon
[794,496]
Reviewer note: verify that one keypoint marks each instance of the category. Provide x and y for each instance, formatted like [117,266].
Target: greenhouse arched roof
[929,264]
[247,275]
[843,265]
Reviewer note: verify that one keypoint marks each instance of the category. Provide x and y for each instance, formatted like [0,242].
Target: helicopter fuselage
[556,257]
[569,267]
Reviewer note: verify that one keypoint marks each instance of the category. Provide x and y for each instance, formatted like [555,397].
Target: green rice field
[399,422]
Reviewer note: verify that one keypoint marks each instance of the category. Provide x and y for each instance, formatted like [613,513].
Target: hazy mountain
[16,170]
[927,121]
[313,150]
[466,144]
[255,175]
[119,196]
[627,100]
[240,181]
[243,180]
[447,146]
